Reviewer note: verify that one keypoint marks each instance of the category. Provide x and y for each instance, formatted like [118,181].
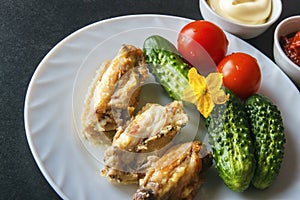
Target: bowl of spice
[243,18]
[286,47]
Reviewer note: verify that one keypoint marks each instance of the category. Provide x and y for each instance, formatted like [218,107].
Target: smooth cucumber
[165,63]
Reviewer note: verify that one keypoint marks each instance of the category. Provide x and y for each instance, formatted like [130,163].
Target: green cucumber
[267,128]
[166,64]
[231,142]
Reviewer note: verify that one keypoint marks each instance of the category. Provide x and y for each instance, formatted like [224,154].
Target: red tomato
[200,38]
[241,74]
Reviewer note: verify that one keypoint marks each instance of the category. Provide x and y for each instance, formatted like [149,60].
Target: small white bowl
[240,30]
[285,27]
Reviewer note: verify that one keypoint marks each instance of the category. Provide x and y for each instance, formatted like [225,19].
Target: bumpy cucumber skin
[230,138]
[165,63]
[268,130]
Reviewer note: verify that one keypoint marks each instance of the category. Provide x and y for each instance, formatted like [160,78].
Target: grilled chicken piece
[114,94]
[178,174]
[142,141]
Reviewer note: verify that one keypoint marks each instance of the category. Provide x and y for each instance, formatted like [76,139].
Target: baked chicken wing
[113,94]
[178,174]
[145,138]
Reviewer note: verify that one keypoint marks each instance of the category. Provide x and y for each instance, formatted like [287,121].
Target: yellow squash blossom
[205,92]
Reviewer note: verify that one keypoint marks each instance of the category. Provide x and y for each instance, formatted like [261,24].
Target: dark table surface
[28,31]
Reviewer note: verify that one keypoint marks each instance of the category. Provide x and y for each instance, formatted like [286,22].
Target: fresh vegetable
[268,131]
[166,65]
[233,149]
[200,39]
[241,74]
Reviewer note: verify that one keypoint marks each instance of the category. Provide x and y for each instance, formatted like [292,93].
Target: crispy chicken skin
[113,94]
[178,174]
[145,138]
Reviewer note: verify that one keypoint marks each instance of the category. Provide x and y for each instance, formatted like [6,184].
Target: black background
[28,30]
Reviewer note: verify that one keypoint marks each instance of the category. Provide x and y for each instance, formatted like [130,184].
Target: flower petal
[205,105]
[197,82]
[214,81]
[189,95]
[219,97]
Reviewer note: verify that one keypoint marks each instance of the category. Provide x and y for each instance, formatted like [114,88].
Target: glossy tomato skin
[241,74]
[204,34]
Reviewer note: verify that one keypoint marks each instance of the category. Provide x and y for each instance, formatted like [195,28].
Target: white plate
[65,160]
